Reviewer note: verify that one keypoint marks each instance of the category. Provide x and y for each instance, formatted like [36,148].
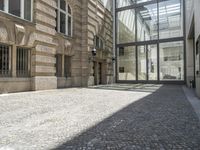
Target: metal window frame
[158,41]
[9,61]
[23,69]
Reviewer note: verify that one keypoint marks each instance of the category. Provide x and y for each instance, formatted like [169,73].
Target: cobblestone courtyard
[123,117]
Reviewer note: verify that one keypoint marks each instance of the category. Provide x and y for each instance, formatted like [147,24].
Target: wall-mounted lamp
[94,52]
[113,59]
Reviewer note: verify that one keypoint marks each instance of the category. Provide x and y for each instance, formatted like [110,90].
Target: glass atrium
[150,40]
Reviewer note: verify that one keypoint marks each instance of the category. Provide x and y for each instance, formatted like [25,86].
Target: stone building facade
[48,44]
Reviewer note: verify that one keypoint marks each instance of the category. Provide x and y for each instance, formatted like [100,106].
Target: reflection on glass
[126,26]
[152,62]
[1,4]
[127,63]
[123,3]
[14,8]
[147,22]
[142,1]
[142,63]
[171,61]
[171,18]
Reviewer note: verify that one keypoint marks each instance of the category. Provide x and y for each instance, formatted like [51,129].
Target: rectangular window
[121,51]
[5,61]
[27,9]
[172,68]
[59,65]
[121,69]
[23,62]
[19,8]
[1,4]
[14,7]
[67,64]
[62,23]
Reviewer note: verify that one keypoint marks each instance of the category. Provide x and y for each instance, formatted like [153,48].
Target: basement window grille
[23,62]
[5,61]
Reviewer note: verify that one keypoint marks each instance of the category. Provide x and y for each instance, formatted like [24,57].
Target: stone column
[14,61]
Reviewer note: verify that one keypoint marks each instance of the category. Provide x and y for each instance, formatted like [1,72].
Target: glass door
[147,62]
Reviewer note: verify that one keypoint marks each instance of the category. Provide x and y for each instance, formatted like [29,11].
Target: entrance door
[99,73]
[147,62]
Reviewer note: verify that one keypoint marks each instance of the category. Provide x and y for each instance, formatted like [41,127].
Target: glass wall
[126,26]
[172,61]
[171,19]
[152,62]
[147,22]
[142,63]
[127,63]
[150,40]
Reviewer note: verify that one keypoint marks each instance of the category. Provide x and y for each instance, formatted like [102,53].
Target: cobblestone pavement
[123,117]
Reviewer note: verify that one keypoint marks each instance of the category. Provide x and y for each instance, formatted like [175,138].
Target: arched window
[64,18]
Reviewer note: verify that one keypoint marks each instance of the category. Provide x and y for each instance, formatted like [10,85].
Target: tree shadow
[162,120]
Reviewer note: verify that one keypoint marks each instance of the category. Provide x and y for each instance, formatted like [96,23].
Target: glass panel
[123,3]
[172,61]
[69,25]
[1,4]
[14,7]
[147,23]
[142,63]
[127,63]
[63,5]
[62,23]
[171,18]
[69,9]
[152,62]
[126,26]
[27,10]
[142,1]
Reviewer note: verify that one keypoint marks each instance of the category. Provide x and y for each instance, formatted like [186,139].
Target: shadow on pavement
[162,120]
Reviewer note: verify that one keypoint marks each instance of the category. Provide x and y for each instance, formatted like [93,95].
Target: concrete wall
[192,23]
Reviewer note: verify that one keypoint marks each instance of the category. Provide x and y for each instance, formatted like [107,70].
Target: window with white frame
[64,18]
[19,8]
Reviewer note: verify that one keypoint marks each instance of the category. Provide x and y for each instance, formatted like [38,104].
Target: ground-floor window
[59,65]
[67,66]
[23,58]
[5,60]
[63,66]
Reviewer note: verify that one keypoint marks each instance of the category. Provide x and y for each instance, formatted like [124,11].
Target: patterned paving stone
[124,117]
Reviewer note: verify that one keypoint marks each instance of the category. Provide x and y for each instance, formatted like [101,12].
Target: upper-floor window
[19,8]
[99,43]
[64,18]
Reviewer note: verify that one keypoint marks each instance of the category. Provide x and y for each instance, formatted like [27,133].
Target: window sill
[64,36]
[16,18]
